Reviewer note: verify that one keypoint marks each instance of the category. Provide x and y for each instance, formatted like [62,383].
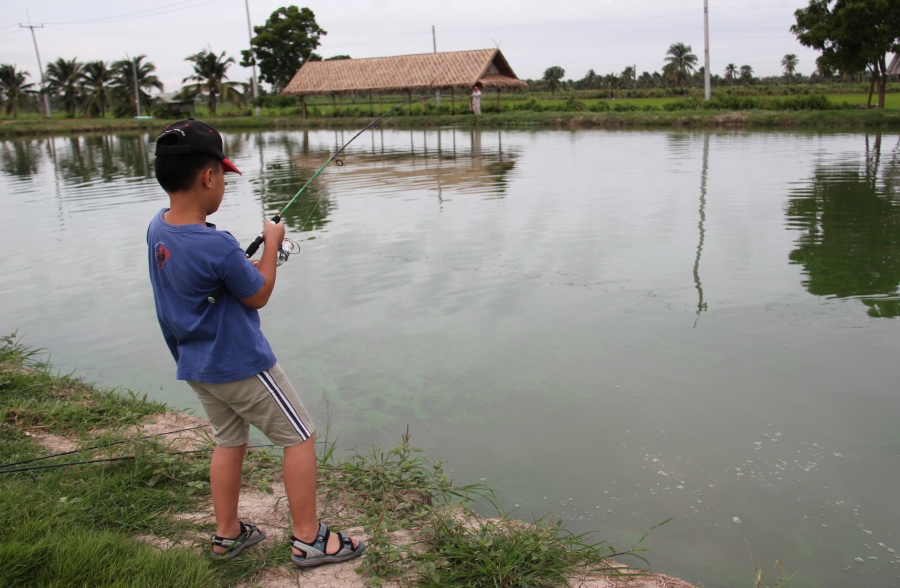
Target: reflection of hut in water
[469,170]
[453,71]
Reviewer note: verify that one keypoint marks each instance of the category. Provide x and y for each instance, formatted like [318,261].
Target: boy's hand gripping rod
[212,298]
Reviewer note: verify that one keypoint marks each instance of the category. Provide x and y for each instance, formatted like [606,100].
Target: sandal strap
[225,542]
[346,545]
[317,547]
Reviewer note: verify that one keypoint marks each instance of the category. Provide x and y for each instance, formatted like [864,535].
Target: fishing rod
[283,253]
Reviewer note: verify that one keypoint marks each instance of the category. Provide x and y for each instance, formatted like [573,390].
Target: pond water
[615,327]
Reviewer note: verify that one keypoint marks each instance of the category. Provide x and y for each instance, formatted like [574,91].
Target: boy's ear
[205,177]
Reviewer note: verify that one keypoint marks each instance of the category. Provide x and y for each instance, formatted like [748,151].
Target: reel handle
[252,249]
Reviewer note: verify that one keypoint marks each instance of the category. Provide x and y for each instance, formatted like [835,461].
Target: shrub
[625,107]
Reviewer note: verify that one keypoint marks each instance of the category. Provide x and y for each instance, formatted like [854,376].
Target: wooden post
[303,106]
[380,108]
[371,112]
[341,102]
[452,103]
[498,99]
[409,99]
[333,106]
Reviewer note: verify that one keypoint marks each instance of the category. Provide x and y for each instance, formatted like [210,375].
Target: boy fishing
[220,350]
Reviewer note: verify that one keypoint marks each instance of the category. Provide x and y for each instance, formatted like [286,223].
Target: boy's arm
[273,237]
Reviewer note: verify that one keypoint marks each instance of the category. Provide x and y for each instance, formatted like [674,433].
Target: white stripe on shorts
[286,407]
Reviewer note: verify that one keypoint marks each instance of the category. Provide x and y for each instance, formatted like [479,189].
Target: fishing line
[293,246]
[9,465]
[109,459]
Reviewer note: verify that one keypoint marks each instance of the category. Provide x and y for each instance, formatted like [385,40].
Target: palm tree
[789,63]
[590,81]
[96,87]
[747,74]
[730,71]
[552,77]
[63,78]
[14,89]
[628,76]
[209,73]
[612,82]
[124,72]
[682,62]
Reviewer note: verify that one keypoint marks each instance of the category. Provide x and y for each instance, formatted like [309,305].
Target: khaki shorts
[267,401]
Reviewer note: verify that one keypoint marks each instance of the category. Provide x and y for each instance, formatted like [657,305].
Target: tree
[789,63]
[63,77]
[682,62]
[552,77]
[14,89]
[628,77]
[611,81]
[730,71]
[283,44]
[124,84]
[590,81]
[746,74]
[96,87]
[853,35]
[210,75]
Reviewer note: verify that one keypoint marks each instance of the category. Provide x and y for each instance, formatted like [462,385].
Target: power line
[150,12]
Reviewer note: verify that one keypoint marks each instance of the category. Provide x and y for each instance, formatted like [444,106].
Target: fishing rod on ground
[283,253]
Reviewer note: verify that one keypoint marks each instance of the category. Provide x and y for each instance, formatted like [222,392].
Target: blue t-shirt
[211,343]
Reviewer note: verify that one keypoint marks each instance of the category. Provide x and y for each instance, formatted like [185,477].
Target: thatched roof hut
[894,66]
[407,73]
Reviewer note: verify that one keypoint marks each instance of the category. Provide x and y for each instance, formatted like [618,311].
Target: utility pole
[706,80]
[437,94]
[137,96]
[252,59]
[43,82]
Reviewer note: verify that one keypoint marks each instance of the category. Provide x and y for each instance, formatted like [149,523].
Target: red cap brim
[229,167]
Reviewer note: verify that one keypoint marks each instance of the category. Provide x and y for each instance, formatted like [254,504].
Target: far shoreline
[843,119]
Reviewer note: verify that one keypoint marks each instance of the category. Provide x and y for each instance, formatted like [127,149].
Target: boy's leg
[225,486]
[300,487]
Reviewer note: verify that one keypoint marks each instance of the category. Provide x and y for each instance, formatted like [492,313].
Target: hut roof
[894,67]
[405,72]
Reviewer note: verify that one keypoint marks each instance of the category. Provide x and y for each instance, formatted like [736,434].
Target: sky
[577,35]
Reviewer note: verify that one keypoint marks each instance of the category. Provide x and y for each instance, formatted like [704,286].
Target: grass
[78,525]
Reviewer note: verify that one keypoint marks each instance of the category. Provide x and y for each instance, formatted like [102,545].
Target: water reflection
[379,166]
[701,227]
[286,172]
[850,220]
[20,158]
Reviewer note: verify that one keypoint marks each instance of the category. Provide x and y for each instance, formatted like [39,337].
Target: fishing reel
[288,248]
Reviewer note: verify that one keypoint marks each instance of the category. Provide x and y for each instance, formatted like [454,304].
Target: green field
[766,107]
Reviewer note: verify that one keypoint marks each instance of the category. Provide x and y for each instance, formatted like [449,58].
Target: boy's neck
[184,210]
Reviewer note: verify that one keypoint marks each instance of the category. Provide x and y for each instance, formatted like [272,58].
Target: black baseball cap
[193,136]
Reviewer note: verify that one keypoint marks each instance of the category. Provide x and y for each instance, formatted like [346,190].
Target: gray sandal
[315,552]
[249,535]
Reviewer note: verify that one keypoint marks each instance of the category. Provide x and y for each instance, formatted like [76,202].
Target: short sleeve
[239,275]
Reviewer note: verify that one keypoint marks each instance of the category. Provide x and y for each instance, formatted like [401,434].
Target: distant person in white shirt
[475,100]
